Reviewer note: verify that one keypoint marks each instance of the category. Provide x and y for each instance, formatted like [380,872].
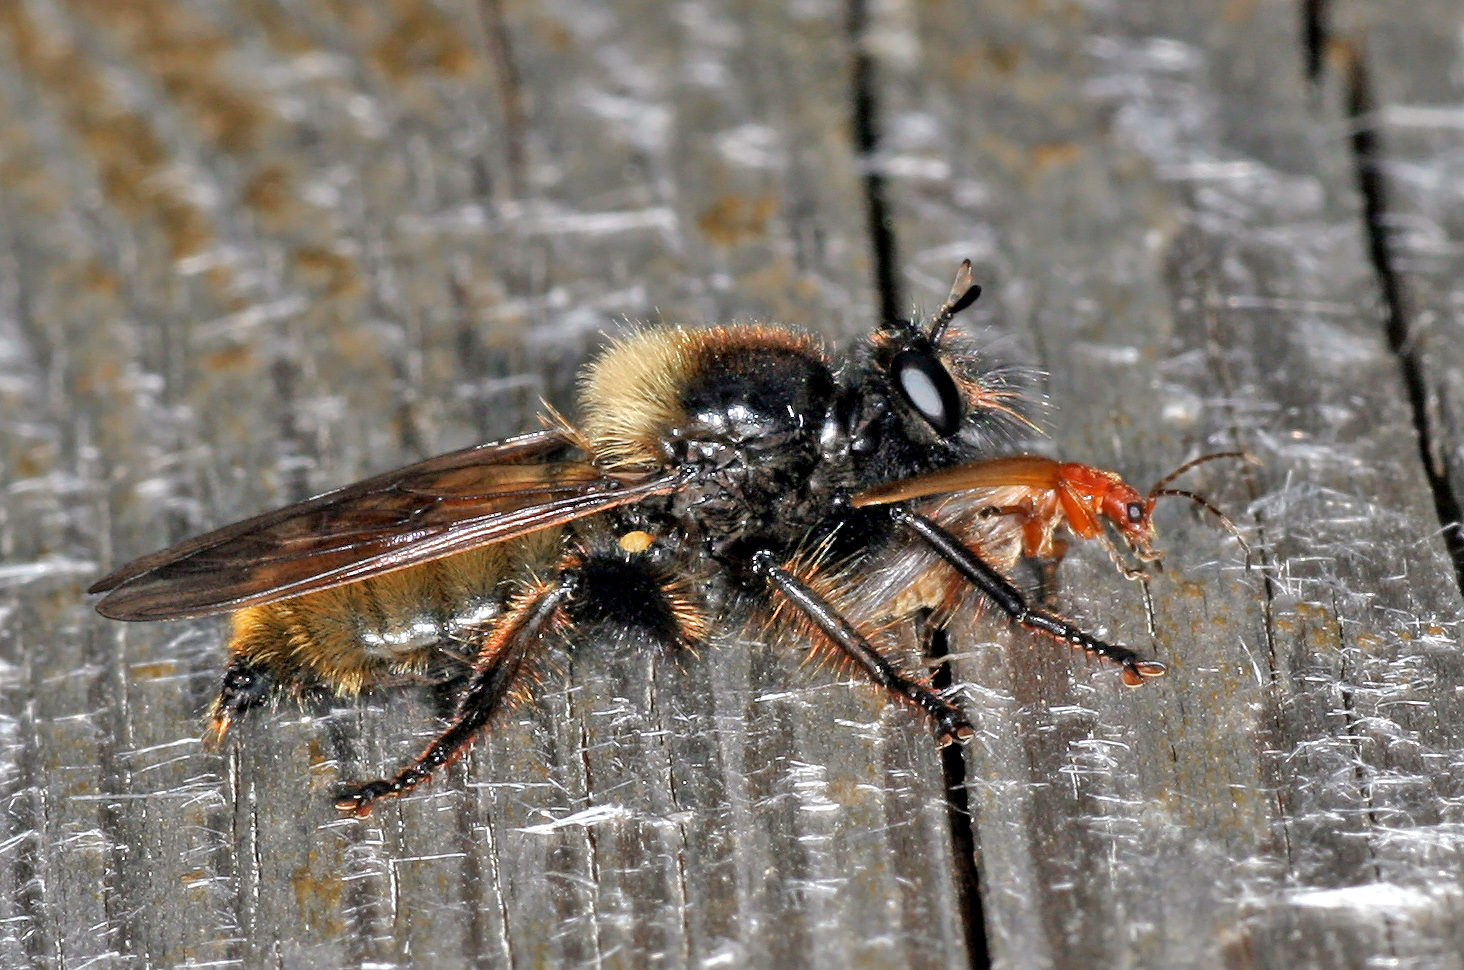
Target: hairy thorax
[743,417]
[751,430]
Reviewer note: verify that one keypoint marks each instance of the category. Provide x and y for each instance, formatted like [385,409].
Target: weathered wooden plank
[251,250]
[1159,199]
[254,249]
[1397,69]
[1402,84]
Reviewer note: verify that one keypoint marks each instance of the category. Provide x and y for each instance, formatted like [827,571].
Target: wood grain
[252,250]
[1174,218]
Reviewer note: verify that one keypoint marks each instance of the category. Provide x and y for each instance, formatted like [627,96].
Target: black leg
[501,661]
[246,685]
[1001,591]
[841,633]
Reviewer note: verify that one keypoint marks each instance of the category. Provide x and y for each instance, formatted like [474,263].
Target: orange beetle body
[1043,494]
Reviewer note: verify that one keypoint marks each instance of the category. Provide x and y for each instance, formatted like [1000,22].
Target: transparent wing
[438,507]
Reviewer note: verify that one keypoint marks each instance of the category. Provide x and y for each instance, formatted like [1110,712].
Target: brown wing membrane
[436,508]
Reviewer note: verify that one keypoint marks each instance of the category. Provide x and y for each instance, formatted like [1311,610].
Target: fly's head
[919,396]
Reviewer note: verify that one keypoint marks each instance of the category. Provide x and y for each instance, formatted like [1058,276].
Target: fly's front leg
[530,618]
[1001,591]
[842,634]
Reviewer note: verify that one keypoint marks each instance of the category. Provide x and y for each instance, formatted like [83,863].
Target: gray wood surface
[1179,209]
[250,250]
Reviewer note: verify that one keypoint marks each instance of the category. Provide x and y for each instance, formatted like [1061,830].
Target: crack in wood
[1367,154]
[866,143]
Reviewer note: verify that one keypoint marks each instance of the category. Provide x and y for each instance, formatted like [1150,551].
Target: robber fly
[734,467]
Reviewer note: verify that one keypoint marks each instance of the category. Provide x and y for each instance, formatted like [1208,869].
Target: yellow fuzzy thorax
[631,395]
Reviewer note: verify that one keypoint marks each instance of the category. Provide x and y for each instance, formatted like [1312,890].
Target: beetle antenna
[963,293]
[1243,455]
[1205,503]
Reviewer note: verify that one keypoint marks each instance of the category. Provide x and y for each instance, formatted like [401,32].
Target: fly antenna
[963,293]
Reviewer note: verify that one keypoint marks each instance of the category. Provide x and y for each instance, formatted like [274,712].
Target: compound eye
[1135,512]
[928,387]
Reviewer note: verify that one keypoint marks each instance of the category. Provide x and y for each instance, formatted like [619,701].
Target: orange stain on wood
[735,219]
[132,161]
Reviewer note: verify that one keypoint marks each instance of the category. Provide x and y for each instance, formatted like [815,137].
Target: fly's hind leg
[842,634]
[531,617]
[607,587]
[246,685]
